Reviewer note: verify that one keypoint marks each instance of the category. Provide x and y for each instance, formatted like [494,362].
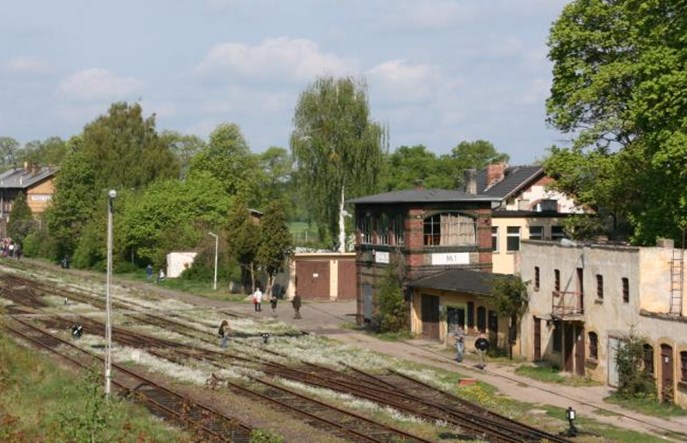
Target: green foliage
[48,152]
[392,310]
[228,158]
[618,88]
[172,215]
[40,244]
[21,219]
[242,237]
[583,226]
[8,153]
[477,154]
[338,149]
[275,245]
[125,151]
[89,422]
[510,299]
[633,380]
[265,436]
[184,148]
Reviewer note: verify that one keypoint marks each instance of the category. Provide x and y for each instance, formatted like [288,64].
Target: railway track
[394,390]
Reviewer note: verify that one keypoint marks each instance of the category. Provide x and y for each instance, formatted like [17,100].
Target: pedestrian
[149,272]
[296,303]
[257,299]
[459,335]
[161,275]
[273,303]
[18,251]
[223,333]
[482,345]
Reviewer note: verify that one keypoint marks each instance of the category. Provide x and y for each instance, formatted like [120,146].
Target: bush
[40,244]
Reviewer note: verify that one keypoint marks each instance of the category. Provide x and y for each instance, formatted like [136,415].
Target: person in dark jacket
[223,333]
[482,345]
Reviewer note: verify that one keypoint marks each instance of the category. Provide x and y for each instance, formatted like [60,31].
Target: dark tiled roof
[422,196]
[20,178]
[459,280]
[515,177]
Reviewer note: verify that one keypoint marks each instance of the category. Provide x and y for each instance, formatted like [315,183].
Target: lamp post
[108,305]
[214,282]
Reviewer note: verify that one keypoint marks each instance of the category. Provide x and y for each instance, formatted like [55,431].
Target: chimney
[470,181]
[26,167]
[495,173]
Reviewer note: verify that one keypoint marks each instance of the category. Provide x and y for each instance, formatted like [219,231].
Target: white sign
[451,258]
[381,257]
[41,197]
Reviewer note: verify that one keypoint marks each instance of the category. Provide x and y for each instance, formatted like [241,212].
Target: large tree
[21,219]
[51,151]
[276,244]
[620,76]
[338,149]
[243,240]
[8,152]
[228,158]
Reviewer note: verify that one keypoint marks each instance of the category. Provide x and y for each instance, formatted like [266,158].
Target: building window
[648,358]
[536,278]
[599,286]
[471,314]
[365,228]
[557,280]
[481,319]
[626,290]
[494,239]
[593,346]
[557,337]
[536,233]
[449,230]
[683,365]
[557,233]
[513,238]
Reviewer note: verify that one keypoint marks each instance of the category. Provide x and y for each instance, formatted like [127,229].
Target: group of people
[481,346]
[10,248]
[257,302]
[149,274]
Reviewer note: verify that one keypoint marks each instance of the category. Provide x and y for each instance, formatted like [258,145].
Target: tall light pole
[108,304]
[214,283]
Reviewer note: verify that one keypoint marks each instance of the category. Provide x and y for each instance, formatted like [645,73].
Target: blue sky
[438,71]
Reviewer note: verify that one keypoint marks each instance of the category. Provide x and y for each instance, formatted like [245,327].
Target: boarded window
[593,346]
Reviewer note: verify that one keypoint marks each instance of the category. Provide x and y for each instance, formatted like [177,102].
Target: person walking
[459,335]
[296,303]
[223,333]
[257,299]
[273,303]
[482,345]
[149,273]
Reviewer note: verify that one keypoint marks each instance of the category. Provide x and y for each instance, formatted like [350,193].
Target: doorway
[455,317]
[430,316]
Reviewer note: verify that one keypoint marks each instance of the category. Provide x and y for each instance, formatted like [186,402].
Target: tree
[338,150]
[477,154]
[511,300]
[277,166]
[633,379]
[409,166]
[392,309]
[618,89]
[276,245]
[228,158]
[125,151]
[184,147]
[243,240]
[48,152]
[8,152]
[21,219]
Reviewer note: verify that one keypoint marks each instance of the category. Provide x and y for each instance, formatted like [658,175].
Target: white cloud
[400,81]
[27,65]
[283,57]
[99,84]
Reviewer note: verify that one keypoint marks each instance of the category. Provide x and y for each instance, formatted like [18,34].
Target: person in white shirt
[257,299]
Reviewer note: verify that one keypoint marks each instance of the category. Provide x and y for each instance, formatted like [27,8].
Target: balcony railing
[566,304]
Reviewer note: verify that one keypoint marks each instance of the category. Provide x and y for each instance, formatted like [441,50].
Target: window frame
[593,345]
[625,282]
[513,235]
[557,232]
[495,239]
[599,287]
[537,278]
[539,236]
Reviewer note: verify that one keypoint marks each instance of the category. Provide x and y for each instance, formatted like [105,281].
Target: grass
[647,406]
[41,402]
[551,374]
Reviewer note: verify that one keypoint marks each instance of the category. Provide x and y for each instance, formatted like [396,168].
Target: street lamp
[108,305]
[214,283]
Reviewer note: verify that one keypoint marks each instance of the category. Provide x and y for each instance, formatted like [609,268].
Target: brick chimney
[495,173]
[470,181]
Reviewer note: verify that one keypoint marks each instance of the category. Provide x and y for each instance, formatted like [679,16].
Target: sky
[438,72]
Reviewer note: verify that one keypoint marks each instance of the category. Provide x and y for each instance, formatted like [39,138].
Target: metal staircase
[677,277]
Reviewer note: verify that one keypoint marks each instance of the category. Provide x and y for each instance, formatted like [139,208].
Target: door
[666,373]
[613,344]
[579,351]
[430,316]
[367,303]
[537,339]
[568,347]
